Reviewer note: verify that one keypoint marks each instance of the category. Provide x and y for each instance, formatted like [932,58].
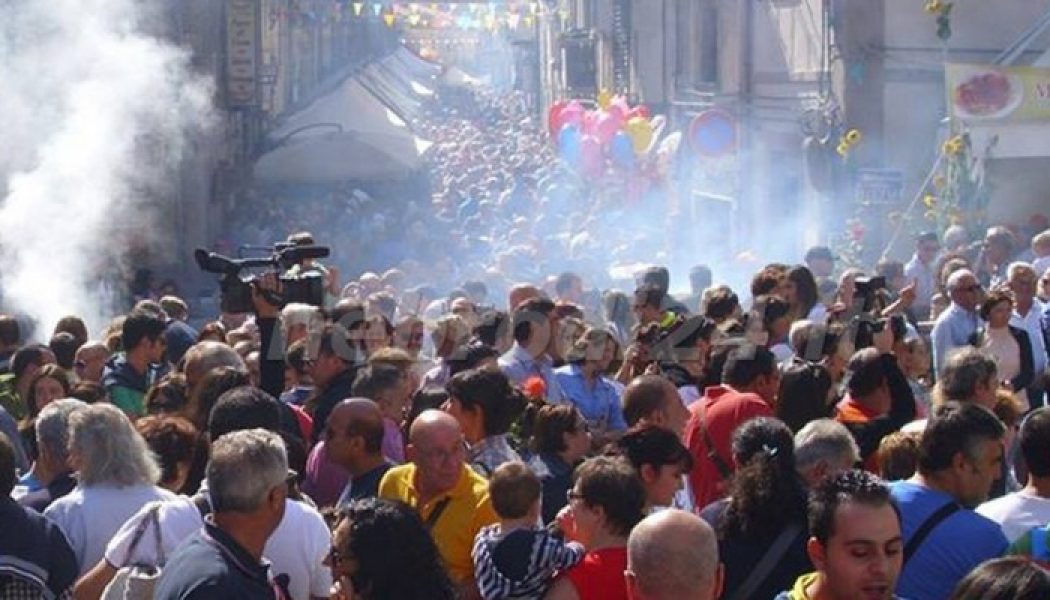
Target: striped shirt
[520,564]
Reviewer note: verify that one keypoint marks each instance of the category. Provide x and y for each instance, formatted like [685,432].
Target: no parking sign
[713,133]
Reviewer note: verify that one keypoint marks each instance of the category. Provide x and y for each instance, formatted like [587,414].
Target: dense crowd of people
[495,204]
[479,413]
[849,437]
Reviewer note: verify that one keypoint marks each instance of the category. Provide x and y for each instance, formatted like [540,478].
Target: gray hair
[1016,268]
[301,314]
[964,370]
[244,466]
[825,440]
[52,428]
[207,355]
[108,448]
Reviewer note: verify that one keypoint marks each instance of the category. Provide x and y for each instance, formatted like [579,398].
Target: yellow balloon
[604,99]
[388,18]
[640,130]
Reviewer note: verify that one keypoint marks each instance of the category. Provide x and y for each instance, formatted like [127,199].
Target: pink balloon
[606,127]
[590,121]
[572,113]
[619,108]
[591,160]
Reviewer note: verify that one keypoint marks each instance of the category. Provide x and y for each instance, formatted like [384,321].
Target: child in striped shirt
[517,558]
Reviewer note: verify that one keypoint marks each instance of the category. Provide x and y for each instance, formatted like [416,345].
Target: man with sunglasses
[956,324]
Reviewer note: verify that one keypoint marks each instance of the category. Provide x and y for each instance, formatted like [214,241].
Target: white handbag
[137,581]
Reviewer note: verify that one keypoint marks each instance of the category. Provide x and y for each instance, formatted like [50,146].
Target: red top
[599,576]
[724,409]
[306,422]
[849,410]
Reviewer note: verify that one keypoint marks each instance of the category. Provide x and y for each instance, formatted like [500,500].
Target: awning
[340,156]
[349,106]
[416,65]
[359,130]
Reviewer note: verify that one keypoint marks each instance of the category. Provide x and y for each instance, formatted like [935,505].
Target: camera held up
[235,283]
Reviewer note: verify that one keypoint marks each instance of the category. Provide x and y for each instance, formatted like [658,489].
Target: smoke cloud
[96,115]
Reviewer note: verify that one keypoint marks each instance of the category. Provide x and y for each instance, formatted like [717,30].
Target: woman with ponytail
[762,525]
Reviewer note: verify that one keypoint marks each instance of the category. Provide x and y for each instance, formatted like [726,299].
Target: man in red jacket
[749,386]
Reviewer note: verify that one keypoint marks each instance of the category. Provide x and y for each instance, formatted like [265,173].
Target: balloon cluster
[614,133]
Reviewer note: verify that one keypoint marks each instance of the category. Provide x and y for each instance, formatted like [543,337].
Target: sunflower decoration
[959,193]
[942,12]
[847,142]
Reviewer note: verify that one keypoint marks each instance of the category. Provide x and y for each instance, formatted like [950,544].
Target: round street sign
[713,133]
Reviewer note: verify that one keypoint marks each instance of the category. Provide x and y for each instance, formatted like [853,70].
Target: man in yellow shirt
[451,498]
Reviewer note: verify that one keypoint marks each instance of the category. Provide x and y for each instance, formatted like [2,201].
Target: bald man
[673,555]
[353,439]
[451,498]
[651,400]
[521,292]
[89,361]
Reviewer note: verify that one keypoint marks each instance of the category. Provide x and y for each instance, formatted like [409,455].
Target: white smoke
[95,117]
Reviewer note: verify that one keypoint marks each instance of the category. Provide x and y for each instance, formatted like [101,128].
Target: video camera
[236,289]
[868,322]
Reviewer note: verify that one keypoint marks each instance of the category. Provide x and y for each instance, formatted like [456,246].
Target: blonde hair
[1041,239]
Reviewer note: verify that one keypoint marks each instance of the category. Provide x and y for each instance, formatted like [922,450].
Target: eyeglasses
[971,288]
[79,364]
[571,495]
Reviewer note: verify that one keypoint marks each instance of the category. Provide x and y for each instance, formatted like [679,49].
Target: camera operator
[638,357]
[332,375]
[654,323]
[308,265]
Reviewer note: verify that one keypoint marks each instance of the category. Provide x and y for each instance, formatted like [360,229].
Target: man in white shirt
[1027,315]
[1020,511]
[922,270]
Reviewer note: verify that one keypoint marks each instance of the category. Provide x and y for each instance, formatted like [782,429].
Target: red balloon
[554,118]
[639,111]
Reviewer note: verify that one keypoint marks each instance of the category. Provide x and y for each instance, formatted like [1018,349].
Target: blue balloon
[569,143]
[622,150]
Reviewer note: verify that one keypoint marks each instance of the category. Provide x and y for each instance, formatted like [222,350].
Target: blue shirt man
[955,325]
[598,401]
[518,365]
[535,340]
[961,454]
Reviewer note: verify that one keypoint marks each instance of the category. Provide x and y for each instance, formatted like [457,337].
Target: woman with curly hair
[380,549]
[766,513]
